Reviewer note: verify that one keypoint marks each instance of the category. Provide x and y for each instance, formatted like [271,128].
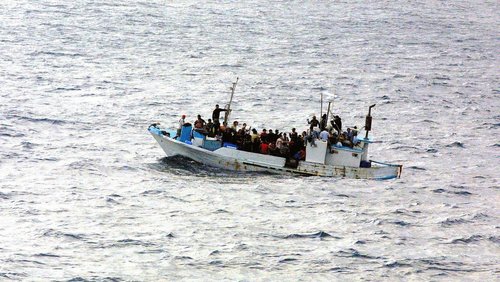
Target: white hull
[232,159]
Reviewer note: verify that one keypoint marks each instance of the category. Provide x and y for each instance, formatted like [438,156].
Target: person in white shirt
[279,142]
[324,135]
[182,121]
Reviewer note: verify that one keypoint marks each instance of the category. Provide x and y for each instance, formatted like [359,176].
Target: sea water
[86,194]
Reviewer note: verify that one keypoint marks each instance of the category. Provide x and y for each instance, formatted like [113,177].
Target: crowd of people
[274,142]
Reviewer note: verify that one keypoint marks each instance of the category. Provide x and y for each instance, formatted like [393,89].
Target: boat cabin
[322,153]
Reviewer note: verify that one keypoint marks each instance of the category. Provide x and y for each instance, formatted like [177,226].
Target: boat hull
[237,160]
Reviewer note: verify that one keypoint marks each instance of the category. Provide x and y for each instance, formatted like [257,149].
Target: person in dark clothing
[211,128]
[216,117]
[263,135]
[338,122]
[271,137]
[313,123]
[323,123]
[227,136]
[334,127]
[293,135]
[256,145]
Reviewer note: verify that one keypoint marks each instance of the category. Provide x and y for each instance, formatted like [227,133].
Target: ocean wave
[397,264]
[59,234]
[28,145]
[39,119]
[131,242]
[110,200]
[467,240]
[398,222]
[47,255]
[414,167]
[96,278]
[494,239]
[152,192]
[353,253]
[320,235]
[5,196]
[454,221]
[462,193]
[439,190]
[12,134]
[287,260]
[13,275]
[455,144]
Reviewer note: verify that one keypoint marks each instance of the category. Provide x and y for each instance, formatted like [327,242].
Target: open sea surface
[86,194]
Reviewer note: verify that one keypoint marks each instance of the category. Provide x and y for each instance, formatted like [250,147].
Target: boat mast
[228,107]
[328,112]
[321,102]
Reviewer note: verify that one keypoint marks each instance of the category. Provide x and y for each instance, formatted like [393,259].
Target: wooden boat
[321,158]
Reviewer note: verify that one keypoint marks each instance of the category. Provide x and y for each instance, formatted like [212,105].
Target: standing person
[244,128]
[263,135]
[216,116]
[338,122]
[182,121]
[293,135]
[332,127]
[323,123]
[313,123]
[271,137]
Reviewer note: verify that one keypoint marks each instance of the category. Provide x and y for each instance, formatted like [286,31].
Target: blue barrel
[186,133]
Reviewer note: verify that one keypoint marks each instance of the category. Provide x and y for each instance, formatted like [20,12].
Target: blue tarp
[198,135]
[211,145]
[186,133]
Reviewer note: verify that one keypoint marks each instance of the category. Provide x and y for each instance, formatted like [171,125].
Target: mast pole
[328,112]
[228,108]
[321,101]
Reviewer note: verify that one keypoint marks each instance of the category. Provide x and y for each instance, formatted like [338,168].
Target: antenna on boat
[368,121]
[228,108]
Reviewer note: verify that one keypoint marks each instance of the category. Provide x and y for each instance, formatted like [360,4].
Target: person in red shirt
[264,148]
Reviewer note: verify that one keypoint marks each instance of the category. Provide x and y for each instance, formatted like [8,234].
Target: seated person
[199,123]
[211,130]
[344,140]
[256,145]
[355,140]
[254,134]
[273,150]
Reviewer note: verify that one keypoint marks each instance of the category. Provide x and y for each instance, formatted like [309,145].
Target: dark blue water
[86,194]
